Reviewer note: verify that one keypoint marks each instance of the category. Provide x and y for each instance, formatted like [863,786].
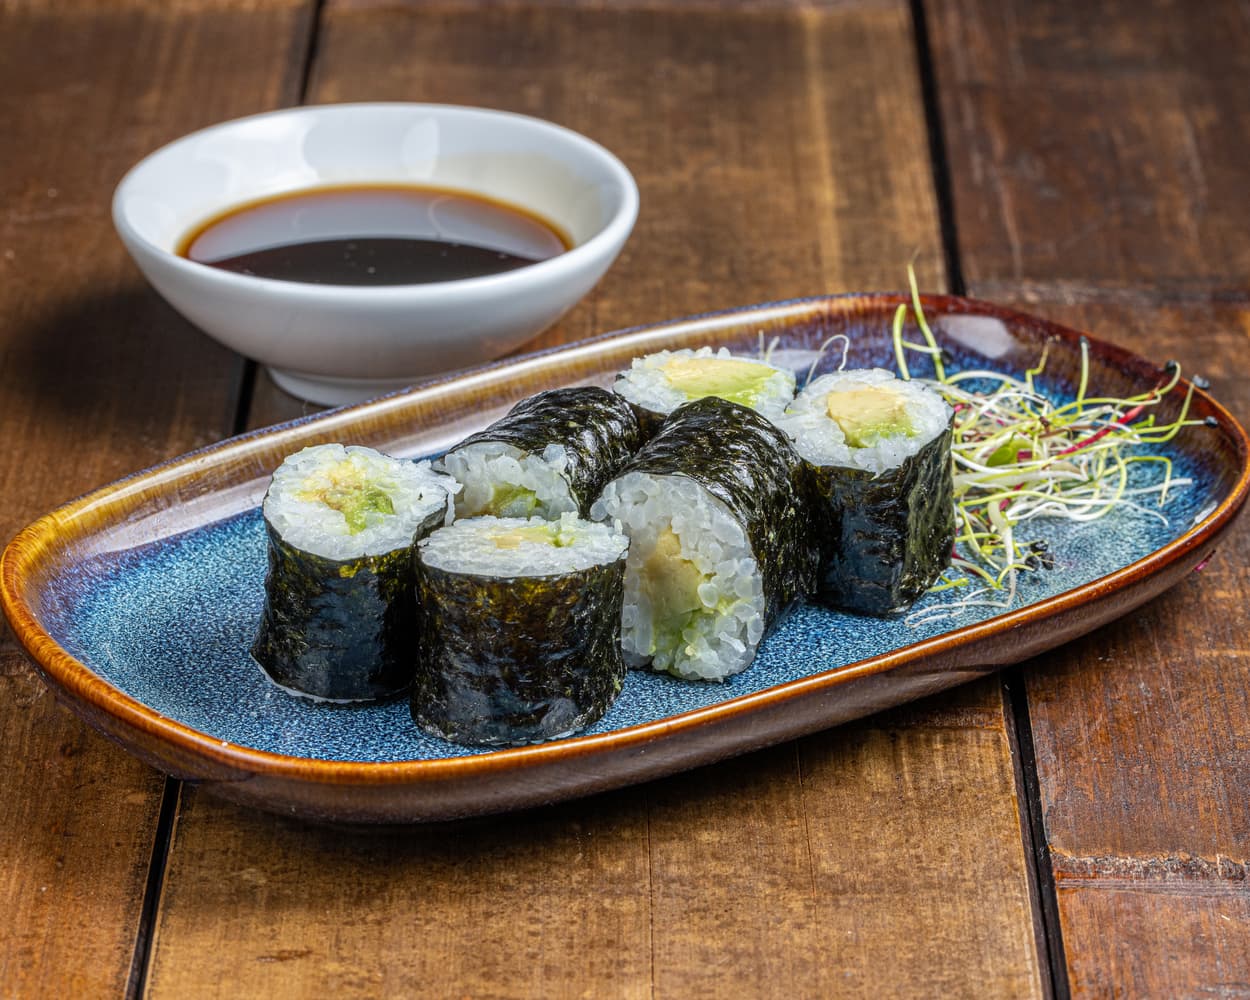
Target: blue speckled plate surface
[138,602]
[171,625]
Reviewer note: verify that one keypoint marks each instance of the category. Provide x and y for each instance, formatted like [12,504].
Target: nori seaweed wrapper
[884,538]
[649,421]
[340,630]
[512,660]
[597,428]
[746,462]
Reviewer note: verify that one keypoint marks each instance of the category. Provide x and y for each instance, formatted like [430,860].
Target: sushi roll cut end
[734,379]
[865,419]
[510,547]
[520,629]
[657,384]
[881,491]
[342,502]
[338,620]
[504,481]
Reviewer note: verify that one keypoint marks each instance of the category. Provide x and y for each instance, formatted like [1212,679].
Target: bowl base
[333,390]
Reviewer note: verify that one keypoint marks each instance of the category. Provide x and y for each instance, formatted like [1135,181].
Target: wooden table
[1080,824]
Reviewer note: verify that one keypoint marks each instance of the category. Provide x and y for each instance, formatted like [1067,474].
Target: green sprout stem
[1018,457]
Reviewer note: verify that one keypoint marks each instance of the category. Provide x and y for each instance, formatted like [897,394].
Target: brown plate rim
[75,680]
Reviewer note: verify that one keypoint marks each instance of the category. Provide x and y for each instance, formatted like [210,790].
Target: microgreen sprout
[820,353]
[1018,456]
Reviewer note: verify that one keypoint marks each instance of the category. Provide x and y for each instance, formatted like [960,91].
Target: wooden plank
[780,151]
[1099,143]
[1141,729]
[756,879]
[537,905]
[1144,943]
[1115,205]
[81,339]
[917,873]
[850,871]
[794,185]
[767,133]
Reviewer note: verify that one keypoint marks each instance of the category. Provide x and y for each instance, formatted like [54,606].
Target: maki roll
[519,628]
[550,455]
[655,385]
[338,621]
[718,552]
[878,450]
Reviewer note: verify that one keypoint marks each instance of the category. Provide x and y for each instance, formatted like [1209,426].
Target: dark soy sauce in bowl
[373,235]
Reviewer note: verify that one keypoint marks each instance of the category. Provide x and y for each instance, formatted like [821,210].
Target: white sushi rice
[719,638]
[487,469]
[819,439]
[296,508]
[519,546]
[646,384]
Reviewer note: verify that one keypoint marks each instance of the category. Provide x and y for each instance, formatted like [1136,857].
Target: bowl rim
[603,244]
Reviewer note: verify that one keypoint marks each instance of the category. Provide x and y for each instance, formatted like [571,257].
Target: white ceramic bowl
[339,344]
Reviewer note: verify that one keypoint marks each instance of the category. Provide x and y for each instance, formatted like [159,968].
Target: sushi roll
[718,549]
[878,450]
[338,620]
[655,385]
[519,628]
[550,455]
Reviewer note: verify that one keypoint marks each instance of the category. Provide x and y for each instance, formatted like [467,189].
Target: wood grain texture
[1097,160]
[915,843]
[1098,143]
[538,904]
[1142,731]
[81,340]
[1144,943]
[863,877]
[779,152]
[857,861]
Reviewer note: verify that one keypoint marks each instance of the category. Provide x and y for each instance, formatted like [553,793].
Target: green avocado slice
[729,378]
[869,413]
[343,487]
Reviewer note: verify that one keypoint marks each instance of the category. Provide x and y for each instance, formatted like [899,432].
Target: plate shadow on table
[125,361]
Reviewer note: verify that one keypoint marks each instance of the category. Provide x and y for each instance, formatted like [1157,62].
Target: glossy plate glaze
[138,602]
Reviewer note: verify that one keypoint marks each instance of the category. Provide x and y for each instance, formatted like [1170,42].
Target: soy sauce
[373,235]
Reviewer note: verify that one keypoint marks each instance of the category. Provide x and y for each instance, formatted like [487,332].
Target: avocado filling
[510,500]
[548,533]
[671,585]
[869,413]
[343,487]
[729,378]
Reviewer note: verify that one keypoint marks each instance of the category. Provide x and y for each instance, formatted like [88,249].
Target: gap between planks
[171,794]
[1047,927]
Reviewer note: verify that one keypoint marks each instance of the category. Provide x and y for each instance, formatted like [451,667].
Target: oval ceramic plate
[138,602]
